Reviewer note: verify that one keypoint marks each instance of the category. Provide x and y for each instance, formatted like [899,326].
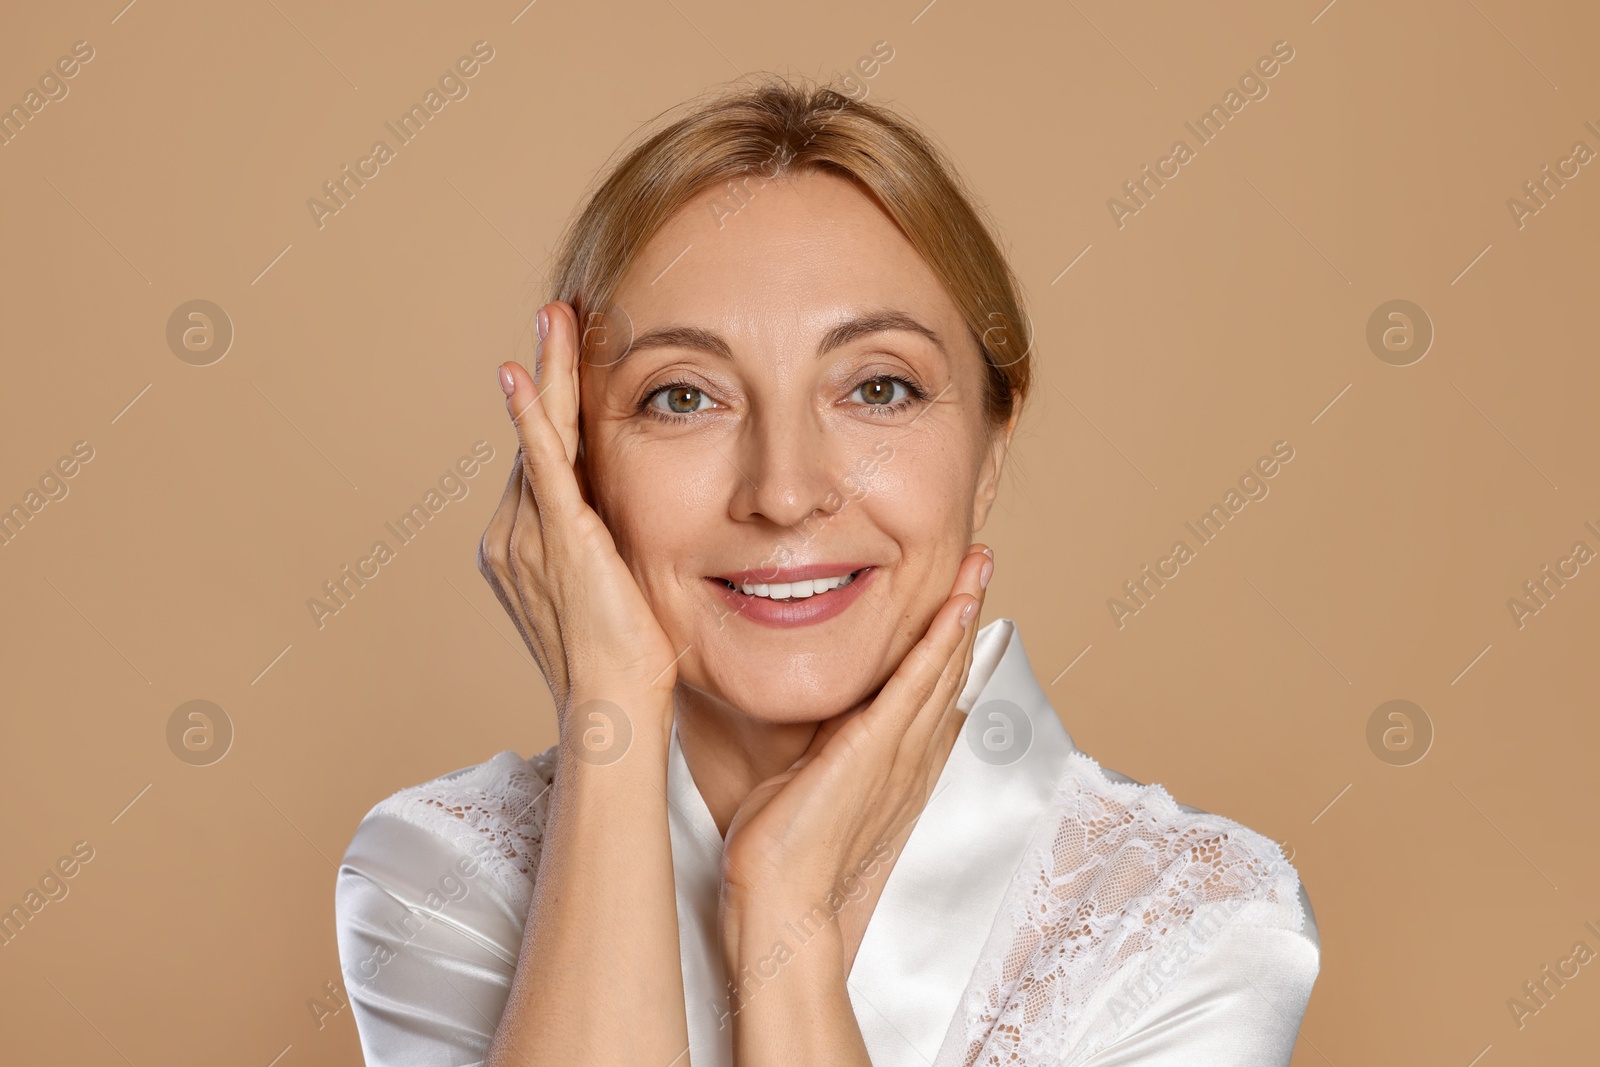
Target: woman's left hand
[806,839]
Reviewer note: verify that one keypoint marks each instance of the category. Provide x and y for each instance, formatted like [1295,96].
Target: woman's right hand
[600,942]
[554,565]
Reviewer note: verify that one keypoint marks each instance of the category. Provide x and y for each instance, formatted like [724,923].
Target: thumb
[757,800]
[826,729]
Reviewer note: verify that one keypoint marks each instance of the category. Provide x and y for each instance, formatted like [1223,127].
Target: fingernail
[987,551]
[542,322]
[968,612]
[508,384]
[985,574]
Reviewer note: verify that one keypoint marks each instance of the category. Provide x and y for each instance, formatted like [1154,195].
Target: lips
[789,575]
[785,614]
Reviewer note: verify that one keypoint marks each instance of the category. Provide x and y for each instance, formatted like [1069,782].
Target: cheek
[659,502]
[920,492]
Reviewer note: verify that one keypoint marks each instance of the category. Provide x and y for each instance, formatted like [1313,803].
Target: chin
[793,703]
[778,686]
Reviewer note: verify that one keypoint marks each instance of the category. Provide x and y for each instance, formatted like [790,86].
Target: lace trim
[1120,889]
[495,811]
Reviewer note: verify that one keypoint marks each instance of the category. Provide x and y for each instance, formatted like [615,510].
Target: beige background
[1228,314]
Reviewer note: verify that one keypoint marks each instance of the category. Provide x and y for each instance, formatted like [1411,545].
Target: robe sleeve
[1142,933]
[1238,1005]
[428,944]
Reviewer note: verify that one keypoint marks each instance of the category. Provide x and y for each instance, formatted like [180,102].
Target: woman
[803,810]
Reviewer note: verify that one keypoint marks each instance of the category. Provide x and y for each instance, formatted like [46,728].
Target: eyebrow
[704,340]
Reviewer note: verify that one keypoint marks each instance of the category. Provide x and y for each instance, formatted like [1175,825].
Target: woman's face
[784,391]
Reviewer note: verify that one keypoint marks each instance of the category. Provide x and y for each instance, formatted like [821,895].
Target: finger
[528,565]
[752,805]
[494,549]
[923,728]
[544,454]
[497,545]
[497,567]
[826,730]
[973,578]
[939,708]
[557,363]
[922,669]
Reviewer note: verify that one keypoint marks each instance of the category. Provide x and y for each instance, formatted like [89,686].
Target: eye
[680,399]
[889,392]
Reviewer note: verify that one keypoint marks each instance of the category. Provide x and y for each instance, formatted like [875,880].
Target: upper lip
[788,575]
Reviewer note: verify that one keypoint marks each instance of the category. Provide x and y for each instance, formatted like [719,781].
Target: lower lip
[819,607]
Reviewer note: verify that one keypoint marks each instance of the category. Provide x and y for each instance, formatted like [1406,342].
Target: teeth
[796,590]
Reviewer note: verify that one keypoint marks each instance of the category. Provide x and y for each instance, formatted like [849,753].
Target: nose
[785,474]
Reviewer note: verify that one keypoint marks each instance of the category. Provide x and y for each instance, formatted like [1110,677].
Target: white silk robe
[1045,912]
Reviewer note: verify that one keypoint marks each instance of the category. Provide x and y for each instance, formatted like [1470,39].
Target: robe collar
[944,893]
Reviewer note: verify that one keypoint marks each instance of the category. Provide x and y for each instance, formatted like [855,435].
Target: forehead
[788,255]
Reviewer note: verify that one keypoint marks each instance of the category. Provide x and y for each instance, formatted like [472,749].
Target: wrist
[600,728]
[760,935]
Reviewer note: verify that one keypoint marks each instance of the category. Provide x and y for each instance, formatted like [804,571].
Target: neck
[729,753]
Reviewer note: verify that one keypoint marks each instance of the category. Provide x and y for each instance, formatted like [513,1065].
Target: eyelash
[917,396]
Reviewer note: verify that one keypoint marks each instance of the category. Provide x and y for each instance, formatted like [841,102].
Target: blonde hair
[778,127]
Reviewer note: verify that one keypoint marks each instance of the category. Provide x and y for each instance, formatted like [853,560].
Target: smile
[803,599]
[801,590]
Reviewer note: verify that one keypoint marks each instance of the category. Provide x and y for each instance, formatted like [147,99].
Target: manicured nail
[987,551]
[985,574]
[508,384]
[542,322]
[968,612]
